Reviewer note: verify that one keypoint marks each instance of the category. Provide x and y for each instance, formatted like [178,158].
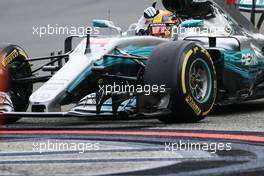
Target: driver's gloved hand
[142,32]
[150,13]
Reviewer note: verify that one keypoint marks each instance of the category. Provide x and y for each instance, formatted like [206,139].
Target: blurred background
[17,19]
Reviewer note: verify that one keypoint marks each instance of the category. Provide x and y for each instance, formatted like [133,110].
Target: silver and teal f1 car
[176,79]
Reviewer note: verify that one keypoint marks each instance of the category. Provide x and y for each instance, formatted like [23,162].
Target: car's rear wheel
[187,69]
[14,63]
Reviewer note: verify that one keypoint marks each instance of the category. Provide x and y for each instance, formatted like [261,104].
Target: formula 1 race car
[176,79]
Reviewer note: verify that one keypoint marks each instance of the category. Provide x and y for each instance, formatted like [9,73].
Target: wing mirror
[106,24]
[192,23]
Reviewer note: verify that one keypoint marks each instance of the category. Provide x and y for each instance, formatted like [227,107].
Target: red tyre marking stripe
[136,133]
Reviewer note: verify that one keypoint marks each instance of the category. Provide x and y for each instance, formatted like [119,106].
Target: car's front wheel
[14,66]
[187,69]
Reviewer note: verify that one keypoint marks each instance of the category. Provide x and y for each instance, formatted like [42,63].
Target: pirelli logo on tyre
[188,55]
[10,57]
[22,53]
[206,53]
[204,106]
[193,105]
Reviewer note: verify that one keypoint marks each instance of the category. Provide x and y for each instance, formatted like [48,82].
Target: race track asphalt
[17,19]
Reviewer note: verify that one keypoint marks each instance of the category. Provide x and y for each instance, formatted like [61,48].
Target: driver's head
[176,5]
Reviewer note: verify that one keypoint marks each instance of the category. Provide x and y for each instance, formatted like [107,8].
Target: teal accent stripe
[141,51]
[233,62]
[80,79]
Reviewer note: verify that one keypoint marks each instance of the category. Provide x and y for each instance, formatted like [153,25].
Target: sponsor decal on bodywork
[239,62]
[249,59]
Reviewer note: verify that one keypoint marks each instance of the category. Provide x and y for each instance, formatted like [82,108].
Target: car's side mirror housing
[106,24]
[102,23]
[192,23]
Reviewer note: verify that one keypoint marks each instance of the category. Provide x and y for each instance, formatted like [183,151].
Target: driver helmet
[176,5]
[162,25]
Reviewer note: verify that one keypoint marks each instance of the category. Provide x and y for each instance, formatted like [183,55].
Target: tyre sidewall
[185,100]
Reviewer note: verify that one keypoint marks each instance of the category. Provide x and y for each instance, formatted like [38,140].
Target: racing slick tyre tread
[173,64]
[14,61]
